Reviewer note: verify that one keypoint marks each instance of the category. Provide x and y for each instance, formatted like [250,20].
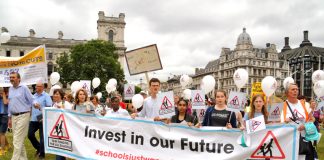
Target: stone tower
[112,29]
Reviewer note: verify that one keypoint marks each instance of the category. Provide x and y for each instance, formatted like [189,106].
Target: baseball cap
[311,132]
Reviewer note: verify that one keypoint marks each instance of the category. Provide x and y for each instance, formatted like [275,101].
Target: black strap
[292,113]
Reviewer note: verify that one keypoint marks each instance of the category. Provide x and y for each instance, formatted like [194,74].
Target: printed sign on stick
[236,101]
[165,103]
[198,99]
[275,112]
[129,91]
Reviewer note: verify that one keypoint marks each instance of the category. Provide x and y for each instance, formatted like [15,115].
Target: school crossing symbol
[276,111]
[166,103]
[235,102]
[255,124]
[59,130]
[129,90]
[198,98]
[269,148]
[59,135]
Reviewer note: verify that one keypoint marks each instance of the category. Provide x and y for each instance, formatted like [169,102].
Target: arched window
[111,35]
[49,68]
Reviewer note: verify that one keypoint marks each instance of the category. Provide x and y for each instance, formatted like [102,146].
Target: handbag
[305,147]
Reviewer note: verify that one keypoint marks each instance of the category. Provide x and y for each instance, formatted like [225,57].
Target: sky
[188,33]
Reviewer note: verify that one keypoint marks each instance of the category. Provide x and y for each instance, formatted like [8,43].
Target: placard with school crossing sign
[198,99]
[275,112]
[255,124]
[236,101]
[86,85]
[166,104]
[129,91]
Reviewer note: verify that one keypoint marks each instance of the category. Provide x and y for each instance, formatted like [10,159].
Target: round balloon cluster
[318,80]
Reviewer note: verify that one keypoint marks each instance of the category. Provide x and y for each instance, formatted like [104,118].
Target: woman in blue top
[258,108]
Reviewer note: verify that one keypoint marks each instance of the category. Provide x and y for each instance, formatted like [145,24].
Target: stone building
[259,62]
[303,61]
[109,29]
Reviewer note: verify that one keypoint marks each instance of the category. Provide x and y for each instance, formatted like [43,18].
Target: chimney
[31,33]
[101,15]
[305,42]
[60,35]
[286,47]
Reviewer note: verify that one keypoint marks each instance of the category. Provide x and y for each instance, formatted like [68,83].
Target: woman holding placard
[258,108]
[217,115]
[182,115]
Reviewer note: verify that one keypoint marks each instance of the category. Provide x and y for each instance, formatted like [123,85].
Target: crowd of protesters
[22,111]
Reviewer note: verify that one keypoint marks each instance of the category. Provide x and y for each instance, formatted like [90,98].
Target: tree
[95,58]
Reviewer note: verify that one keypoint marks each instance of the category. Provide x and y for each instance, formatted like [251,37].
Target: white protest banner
[255,124]
[166,104]
[236,101]
[275,112]
[32,67]
[197,99]
[129,91]
[86,85]
[89,136]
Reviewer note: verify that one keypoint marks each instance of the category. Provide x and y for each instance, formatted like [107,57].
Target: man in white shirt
[299,113]
[150,107]
[116,110]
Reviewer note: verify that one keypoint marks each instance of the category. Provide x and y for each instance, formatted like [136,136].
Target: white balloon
[207,84]
[319,88]
[110,88]
[95,82]
[75,86]
[4,37]
[187,94]
[288,81]
[54,78]
[241,77]
[112,82]
[184,80]
[317,75]
[53,88]
[269,85]
[137,100]
[99,95]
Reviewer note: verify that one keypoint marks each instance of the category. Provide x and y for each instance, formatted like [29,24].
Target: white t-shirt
[119,113]
[150,108]
[298,111]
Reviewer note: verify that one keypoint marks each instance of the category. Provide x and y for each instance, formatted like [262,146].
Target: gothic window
[111,35]
[50,56]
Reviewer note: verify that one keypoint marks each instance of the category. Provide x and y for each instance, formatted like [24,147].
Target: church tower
[112,29]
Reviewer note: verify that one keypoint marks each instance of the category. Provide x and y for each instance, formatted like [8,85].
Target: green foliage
[137,89]
[95,58]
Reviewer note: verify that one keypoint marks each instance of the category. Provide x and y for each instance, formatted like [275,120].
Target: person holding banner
[81,103]
[150,106]
[218,115]
[297,112]
[182,115]
[58,101]
[20,103]
[258,108]
[99,109]
[116,110]
[4,145]
[41,100]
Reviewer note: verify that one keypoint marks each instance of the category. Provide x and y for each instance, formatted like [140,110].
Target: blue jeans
[39,146]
